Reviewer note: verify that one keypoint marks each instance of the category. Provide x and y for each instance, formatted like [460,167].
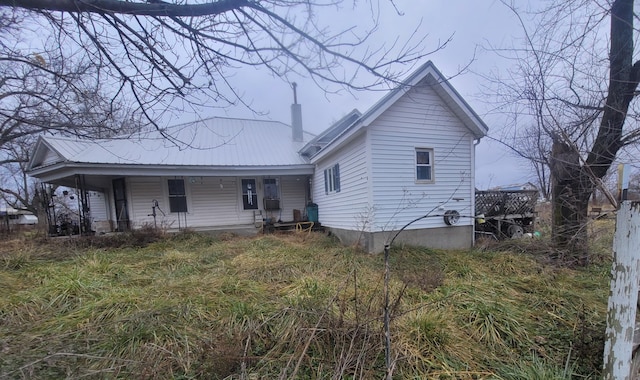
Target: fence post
[623,297]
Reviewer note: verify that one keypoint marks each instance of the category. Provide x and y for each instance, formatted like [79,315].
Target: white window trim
[332,179]
[431,164]
[257,194]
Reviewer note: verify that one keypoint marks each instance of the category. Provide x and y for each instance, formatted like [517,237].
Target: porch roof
[209,147]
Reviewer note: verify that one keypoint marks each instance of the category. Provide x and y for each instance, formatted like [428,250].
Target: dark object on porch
[312,212]
[272,204]
[297,215]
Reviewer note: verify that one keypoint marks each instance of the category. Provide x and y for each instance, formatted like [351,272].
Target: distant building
[516,186]
[11,219]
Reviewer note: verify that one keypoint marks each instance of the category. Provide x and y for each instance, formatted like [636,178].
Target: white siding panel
[215,205]
[50,157]
[211,201]
[349,208]
[420,120]
[142,191]
[98,206]
[293,196]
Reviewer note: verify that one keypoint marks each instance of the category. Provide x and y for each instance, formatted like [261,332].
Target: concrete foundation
[240,230]
[102,227]
[458,237]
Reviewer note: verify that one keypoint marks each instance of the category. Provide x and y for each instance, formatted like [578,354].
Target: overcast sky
[473,24]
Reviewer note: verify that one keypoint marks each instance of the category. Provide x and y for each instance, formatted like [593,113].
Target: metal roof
[210,142]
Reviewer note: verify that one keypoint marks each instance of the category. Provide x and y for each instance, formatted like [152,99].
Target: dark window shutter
[336,173]
[326,182]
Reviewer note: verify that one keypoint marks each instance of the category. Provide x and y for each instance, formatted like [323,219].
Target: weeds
[289,306]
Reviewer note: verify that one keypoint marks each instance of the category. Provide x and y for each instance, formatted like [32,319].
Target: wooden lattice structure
[492,203]
[506,213]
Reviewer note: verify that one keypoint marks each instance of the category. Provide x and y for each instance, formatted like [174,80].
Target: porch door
[120,200]
[271,194]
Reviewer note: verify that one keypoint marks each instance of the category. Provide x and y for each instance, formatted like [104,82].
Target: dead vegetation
[291,307]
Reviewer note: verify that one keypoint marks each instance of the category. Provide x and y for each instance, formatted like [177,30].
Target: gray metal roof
[209,142]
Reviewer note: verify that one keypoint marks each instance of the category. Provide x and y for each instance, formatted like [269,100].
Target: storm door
[120,200]
[271,194]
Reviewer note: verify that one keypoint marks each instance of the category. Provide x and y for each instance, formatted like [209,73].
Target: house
[409,158]
[217,172]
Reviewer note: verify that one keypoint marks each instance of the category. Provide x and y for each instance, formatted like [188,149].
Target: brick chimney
[296,116]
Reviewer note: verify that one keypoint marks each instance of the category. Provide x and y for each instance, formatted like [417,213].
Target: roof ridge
[226,118]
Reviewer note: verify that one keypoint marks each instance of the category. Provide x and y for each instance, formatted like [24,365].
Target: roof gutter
[65,169]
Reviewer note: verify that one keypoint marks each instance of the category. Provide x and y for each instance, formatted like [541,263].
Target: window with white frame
[424,165]
[332,179]
[249,194]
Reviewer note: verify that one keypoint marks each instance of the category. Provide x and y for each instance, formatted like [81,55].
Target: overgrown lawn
[290,306]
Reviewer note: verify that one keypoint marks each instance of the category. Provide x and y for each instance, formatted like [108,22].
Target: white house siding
[349,208]
[50,157]
[420,120]
[214,205]
[293,196]
[141,192]
[208,204]
[211,201]
[101,221]
[98,206]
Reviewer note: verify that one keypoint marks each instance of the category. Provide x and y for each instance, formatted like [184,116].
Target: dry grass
[290,306]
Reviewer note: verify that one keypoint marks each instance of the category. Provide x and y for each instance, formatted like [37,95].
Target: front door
[120,199]
[271,194]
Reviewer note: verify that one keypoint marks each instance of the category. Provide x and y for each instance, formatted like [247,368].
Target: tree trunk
[571,191]
[573,181]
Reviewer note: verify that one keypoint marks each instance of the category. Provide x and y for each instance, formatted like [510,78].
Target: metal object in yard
[506,213]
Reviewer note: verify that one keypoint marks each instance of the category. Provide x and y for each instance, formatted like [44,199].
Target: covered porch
[197,201]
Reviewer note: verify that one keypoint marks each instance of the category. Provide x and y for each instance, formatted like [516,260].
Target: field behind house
[294,306]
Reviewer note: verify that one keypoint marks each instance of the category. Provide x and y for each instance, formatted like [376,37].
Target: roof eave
[460,107]
[66,169]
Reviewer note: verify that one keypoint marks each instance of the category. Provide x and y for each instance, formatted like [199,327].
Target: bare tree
[17,189]
[167,56]
[45,92]
[576,80]
[69,66]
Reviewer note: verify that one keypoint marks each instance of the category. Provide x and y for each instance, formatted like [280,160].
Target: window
[177,196]
[424,165]
[249,194]
[271,198]
[271,188]
[332,179]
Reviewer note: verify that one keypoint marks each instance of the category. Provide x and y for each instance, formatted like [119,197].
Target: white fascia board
[62,170]
[444,89]
[38,147]
[379,108]
[336,145]
[34,152]
[461,108]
